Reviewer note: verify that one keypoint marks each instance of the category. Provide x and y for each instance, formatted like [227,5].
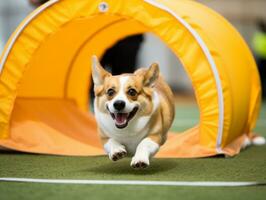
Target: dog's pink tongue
[121,118]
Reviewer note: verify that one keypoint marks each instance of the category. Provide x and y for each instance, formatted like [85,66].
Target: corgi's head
[124,97]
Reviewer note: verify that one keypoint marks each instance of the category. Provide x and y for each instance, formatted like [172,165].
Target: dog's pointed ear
[98,72]
[151,75]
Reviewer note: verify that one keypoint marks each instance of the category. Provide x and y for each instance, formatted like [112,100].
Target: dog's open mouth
[121,119]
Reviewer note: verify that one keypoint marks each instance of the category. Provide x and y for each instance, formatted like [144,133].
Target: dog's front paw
[139,162]
[118,154]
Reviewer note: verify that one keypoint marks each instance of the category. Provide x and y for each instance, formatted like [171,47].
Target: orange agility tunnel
[45,76]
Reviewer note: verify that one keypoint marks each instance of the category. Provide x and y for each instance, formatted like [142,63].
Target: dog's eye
[110,92]
[132,92]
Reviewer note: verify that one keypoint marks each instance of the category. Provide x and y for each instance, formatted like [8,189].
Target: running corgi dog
[134,112]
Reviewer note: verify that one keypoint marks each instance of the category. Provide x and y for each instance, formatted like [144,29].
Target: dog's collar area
[121,118]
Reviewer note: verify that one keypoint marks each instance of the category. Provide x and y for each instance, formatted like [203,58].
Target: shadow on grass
[123,167]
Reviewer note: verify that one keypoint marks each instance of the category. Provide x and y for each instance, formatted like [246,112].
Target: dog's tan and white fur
[134,112]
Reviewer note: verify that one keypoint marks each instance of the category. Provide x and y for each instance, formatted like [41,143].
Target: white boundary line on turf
[133,182]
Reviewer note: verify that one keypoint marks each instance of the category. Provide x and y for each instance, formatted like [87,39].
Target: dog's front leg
[145,150]
[115,150]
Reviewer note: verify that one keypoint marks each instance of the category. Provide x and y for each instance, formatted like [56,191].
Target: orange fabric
[57,126]
[52,127]
[185,145]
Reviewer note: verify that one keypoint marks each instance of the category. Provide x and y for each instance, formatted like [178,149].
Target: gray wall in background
[12,12]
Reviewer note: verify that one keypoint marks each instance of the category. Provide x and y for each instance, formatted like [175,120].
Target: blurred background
[245,15]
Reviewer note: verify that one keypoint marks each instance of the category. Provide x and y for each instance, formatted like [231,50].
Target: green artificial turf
[249,165]
[13,191]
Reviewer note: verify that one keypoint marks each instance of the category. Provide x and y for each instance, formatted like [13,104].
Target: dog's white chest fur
[130,136]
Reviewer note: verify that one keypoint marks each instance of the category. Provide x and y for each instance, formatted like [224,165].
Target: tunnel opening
[141,50]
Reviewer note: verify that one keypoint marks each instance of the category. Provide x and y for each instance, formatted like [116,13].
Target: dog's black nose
[119,105]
